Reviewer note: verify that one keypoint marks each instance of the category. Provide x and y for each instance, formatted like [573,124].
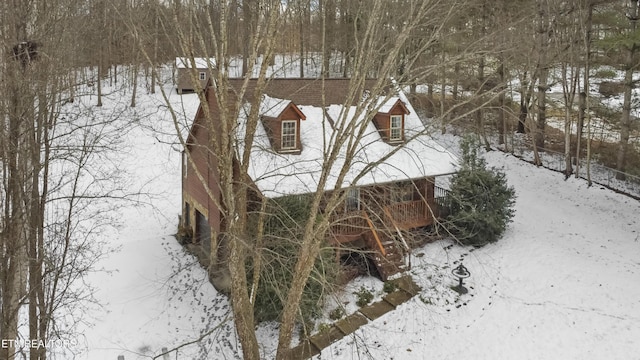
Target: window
[203,75]
[288,140]
[352,202]
[396,128]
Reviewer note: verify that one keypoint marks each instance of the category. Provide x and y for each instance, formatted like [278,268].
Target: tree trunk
[584,95]
[99,83]
[328,15]
[156,40]
[479,113]
[241,304]
[456,80]
[522,117]
[247,33]
[302,57]
[625,120]
[541,121]
[443,90]
[568,169]
[134,85]
[14,237]
[502,123]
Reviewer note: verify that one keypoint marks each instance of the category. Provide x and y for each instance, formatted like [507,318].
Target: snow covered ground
[561,284]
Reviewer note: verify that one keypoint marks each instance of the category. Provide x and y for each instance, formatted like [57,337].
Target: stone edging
[313,345]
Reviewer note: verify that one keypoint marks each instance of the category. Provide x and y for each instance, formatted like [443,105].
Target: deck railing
[402,213]
[440,198]
[408,211]
[440,192]
[349,223]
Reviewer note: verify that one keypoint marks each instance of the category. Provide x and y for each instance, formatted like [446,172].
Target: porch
[351,225]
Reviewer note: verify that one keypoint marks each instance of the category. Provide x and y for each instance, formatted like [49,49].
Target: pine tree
[481,203]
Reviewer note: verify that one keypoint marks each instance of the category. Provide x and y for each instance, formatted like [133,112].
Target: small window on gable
[203,75]
[289,135]
[395,128]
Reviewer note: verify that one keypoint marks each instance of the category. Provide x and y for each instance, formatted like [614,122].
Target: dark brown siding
[289,114]
[272,127]
[382,123]
[194,190]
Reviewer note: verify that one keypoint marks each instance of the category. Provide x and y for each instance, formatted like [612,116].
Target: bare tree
[630,48]
[568,42]
[376,50]
[586,11]
[45,151]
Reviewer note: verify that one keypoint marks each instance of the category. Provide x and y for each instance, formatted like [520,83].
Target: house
[184,80]
[395,197]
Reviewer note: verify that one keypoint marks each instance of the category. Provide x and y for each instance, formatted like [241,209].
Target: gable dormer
[282,124]
[390,121]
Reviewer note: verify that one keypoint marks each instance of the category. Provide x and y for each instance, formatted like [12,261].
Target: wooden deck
[347,227]
[410,214]
[379,229]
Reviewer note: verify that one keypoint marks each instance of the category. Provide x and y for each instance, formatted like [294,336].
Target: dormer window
[289,132]
[390,121]
[395,128]
[281,120]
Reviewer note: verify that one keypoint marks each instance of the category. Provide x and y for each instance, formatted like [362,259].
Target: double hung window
[289,132]
[395,132]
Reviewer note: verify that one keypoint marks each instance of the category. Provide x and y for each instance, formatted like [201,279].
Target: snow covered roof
[273,107]
[201,63]
[278,174]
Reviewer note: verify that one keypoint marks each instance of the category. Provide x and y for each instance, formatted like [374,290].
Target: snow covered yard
[152,294]
[561,284]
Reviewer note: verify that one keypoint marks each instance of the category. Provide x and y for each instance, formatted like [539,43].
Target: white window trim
[392,128]
[295,135]
[203,75]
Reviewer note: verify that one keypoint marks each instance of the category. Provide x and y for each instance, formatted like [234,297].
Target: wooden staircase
[390,264]
[387,255]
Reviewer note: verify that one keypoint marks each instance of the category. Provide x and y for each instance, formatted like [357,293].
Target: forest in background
[471,48]
[477,52]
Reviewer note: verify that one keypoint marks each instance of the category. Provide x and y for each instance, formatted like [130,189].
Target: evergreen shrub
[480,201]
[283,229]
